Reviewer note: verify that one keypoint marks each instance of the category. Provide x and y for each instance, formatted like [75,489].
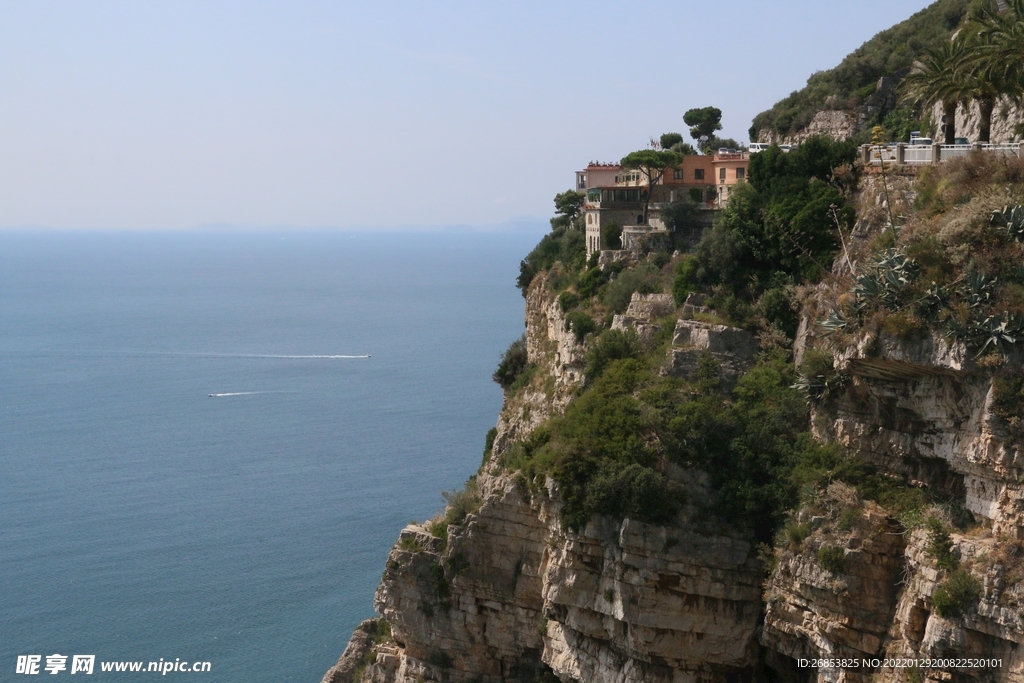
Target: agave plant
[891,272]
[834,321]
[1011,221]
[978,289]
[998,333]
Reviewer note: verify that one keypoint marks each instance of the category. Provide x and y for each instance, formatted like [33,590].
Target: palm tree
[995,66]
[935,79]
[1000,46]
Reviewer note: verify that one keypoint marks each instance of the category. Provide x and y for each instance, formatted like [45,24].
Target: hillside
[861,86]
[787,445]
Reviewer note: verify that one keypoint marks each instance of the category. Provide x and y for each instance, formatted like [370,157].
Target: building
[730,168]
[597,174]
[616,195]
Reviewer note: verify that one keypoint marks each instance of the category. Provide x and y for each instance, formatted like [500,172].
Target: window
[678,174]
[740,173]
[698,174]
[590,218]
[721,174]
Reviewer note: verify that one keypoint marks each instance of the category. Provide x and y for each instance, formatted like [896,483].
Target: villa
[616,195]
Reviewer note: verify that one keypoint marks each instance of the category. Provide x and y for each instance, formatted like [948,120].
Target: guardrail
[916,155]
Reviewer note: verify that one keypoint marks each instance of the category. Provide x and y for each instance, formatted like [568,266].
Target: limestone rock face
[513,594]
[732,348]
[920,408]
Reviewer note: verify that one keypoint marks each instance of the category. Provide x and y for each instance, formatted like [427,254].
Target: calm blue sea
[142,519]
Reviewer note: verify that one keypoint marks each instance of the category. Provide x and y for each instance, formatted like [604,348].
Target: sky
[179,115]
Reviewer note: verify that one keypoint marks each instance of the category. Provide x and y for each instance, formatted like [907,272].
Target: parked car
[961,141]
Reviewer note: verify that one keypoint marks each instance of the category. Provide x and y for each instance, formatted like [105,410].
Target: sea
[209,441]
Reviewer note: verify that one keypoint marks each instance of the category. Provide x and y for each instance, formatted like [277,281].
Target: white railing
[917,154]
[1012,148]
[947,152]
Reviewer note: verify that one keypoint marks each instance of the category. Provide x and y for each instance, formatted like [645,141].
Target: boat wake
[316,357]
[239,393]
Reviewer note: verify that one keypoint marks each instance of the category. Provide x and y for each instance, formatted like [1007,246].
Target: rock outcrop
[510,594]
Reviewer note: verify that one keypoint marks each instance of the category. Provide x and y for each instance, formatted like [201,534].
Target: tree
[703,123]
[1000,47]
[652,165]
[684,148]
[995,66]
[936,79]
[567,206]
[669,140]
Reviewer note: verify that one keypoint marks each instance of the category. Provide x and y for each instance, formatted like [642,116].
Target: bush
[590,282]
[832,558]
[581,325]
[795,534]
[611,346]
[512,364]
[611,235]
[643,279]
[562,244]
[940,546]
[492,433]
[956,594]
[568,301]
[818,378]
[685,280]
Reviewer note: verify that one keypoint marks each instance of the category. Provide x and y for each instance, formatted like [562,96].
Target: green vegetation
[561,245]
[651,164]
[832,558]
[779,229]
[890,53]
[460,503]
[957,272]
[957,594]
[818,379]
[581,325]
[940,546]
[379,631]
[512,365]
[568,205]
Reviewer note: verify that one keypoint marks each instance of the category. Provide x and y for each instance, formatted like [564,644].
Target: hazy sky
[181,114]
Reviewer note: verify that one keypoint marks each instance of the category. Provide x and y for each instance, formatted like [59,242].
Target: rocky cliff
[903,562]
[511,595]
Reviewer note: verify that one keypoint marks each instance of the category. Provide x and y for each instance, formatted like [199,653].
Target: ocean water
[141,518]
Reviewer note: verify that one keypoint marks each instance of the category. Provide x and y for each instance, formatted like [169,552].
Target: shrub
[795,534]
[685,280]
[832,558]
[612,236]
[462,502]
[590,282]
[956,594]
[940,546]
[643,279]
[612,345]
[581,325]
[561,244]
[512,364]
[632,491]
[848,518]
[818,378]
[492,433]
[568,301]
[1008,403]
